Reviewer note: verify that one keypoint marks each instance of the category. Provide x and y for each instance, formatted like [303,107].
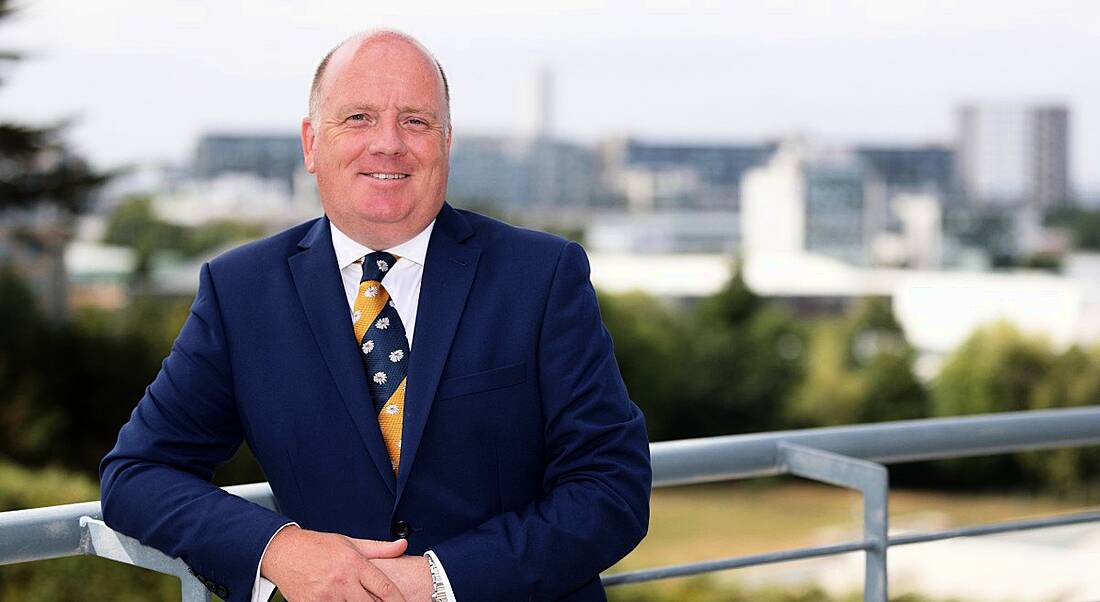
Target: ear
[308,137]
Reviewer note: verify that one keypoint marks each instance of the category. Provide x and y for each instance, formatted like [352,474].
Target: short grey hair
[319,73]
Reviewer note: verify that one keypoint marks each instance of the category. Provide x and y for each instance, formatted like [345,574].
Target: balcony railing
[847,456]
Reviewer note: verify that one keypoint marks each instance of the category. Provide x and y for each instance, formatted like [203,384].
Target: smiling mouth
[377,175]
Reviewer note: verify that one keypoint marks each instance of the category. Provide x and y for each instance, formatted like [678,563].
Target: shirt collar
[349,251]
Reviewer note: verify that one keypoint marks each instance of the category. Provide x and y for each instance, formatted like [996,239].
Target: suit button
[400,529]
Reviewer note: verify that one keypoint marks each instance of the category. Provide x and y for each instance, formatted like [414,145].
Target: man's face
[379,143]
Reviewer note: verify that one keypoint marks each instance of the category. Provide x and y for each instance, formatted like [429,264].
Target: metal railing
[847,456]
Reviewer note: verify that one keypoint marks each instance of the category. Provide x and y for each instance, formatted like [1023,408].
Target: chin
[384,212]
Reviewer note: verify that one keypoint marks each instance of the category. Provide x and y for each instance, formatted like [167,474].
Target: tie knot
[377,265]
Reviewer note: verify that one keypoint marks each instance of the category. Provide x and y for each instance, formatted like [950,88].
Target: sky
[141,81]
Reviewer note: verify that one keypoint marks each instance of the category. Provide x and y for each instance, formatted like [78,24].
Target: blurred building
[664,232]
[811,200]
[99,275]
[530,170]
[1013,155]
[511,173]
[916,236]
[918,169]
[648,176]
[268,156]
[489,170]
[240,197]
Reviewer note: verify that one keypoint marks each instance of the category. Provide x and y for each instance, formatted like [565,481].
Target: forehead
[383,68]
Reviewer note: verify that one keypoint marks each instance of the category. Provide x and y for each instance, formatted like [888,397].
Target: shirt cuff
[443,574]
[262,588]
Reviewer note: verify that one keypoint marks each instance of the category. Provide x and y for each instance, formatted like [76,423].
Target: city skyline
[144,82]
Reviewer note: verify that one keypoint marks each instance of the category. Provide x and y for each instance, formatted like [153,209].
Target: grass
[704,522]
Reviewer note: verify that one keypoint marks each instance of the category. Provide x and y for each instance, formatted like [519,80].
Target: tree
[650,338]
[1083,225]
[723,367]
[858,369]
[35,166]
[37,172]
[135,224]
[997,369]
[1073,380]
[745,357]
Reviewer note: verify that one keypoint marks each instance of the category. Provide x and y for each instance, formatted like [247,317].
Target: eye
[357,118]
[416,122]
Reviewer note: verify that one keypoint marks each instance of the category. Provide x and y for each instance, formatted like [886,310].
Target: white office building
[807,200]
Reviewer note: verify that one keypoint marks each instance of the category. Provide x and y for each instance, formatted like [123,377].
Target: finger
[377,584]
[380,549]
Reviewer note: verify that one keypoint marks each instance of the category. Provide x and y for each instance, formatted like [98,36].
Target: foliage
[747,358]
[735,363]
[22,487]
[1072,380]
[35,166]
[60,382]
[997,369]
[722,368]
[77,382]
[858,369]
[1000,369]
[22,422]
[1083,224]
[1049,262]
[649,336]
[134,224]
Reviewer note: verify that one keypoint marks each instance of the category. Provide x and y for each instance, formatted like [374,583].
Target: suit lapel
[317,279]
[449,270]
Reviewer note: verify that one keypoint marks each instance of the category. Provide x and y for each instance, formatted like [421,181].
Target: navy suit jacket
[524,466]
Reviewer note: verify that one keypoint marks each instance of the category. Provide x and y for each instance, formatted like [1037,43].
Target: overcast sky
[143,79]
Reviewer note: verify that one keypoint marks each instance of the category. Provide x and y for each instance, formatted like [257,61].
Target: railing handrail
[728,457]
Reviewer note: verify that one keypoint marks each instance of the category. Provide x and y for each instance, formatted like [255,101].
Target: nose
[387,138]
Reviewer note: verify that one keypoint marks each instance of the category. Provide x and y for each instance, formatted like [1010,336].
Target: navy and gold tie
[385,353]
[384,349]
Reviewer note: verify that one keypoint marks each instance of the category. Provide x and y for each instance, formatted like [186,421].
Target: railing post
[101,540]
[870,479]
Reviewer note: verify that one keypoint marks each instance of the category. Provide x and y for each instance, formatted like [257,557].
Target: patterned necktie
[384,349]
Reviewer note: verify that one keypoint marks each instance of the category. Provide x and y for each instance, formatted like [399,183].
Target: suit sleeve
[597,478]
[155,483]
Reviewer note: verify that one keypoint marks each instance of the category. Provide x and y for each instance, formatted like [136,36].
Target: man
[470,406]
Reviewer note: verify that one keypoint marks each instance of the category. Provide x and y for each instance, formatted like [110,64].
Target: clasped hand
[311,566]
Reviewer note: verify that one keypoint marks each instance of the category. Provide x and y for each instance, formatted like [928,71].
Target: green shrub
[79,578]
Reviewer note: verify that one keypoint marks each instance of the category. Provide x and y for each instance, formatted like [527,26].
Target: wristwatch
[439,592]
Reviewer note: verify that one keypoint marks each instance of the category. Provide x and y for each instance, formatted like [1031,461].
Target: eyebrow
[362,108]
[355,108]
[418,111]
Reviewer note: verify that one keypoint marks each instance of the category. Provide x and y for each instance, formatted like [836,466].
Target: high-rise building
[1014,155]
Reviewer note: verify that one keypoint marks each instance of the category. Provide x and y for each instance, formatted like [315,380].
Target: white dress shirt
[402,282]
